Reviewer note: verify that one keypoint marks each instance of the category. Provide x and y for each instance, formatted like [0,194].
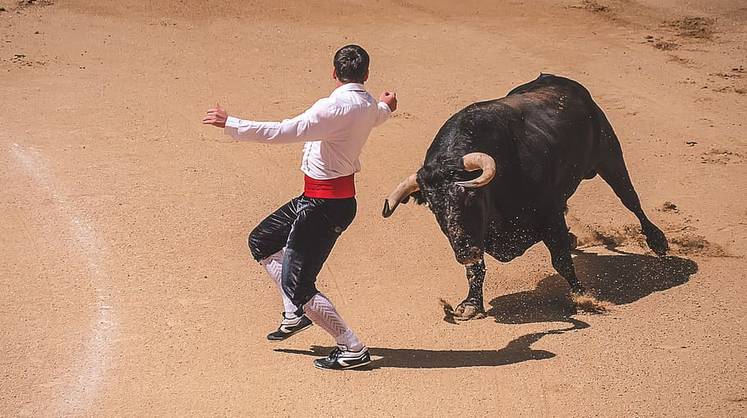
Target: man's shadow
[517,351]
[621,278]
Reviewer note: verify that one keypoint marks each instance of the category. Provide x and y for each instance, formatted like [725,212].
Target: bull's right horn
[407,187]
[478,161]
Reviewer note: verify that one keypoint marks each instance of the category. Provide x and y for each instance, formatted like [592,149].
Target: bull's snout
[469,255]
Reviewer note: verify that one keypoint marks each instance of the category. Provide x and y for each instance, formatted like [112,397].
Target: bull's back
[545,135]
[557,136]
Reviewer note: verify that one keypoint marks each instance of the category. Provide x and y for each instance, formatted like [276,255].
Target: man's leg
[321,311]
[267,242]
[274,267]
[320,222]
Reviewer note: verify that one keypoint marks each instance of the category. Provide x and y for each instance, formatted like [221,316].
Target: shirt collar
[349,87]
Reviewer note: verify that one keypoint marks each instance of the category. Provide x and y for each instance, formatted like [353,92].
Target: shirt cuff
[385,107]
[232,126]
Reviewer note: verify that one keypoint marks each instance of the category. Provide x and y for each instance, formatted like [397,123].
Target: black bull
[531,150]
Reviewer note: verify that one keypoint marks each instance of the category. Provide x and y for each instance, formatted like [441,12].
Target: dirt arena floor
[126,287]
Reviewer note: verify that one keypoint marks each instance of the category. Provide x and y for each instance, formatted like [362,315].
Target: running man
[293,242]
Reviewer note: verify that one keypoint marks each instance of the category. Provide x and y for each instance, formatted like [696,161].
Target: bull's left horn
[407,187]
[478,161]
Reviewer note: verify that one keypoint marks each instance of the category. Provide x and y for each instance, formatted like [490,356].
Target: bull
[499,173]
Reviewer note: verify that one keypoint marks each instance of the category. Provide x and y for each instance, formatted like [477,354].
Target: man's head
[351,64]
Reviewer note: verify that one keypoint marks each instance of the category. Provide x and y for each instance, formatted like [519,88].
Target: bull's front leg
[472,307]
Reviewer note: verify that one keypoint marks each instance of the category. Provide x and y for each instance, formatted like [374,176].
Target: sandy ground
[126,287]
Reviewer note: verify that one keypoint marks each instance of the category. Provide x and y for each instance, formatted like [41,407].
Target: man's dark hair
[351,64]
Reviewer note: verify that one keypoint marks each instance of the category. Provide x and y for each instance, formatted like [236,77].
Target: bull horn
[407,187]
[478,161]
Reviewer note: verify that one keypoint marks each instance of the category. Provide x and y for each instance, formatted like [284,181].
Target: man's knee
[254,241]
[299,293]
[298,281]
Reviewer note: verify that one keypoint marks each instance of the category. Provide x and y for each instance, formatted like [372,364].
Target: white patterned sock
[321,311]
[274,266]
[350,340]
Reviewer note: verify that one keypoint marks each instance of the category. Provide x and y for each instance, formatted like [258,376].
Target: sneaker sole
[296,332]
[346,368]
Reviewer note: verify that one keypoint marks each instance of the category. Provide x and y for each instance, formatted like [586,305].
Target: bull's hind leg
[472,307]
[571,236]
[614,172]
[559,243]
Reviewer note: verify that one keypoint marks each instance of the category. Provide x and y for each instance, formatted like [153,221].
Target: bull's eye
[470,196]
[463,190]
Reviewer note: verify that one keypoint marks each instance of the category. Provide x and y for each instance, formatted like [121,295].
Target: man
[294,241]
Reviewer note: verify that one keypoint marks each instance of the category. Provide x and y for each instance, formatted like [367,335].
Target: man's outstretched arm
[311,125]
[387,104]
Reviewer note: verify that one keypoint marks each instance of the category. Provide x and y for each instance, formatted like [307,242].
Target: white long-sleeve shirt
[335,129]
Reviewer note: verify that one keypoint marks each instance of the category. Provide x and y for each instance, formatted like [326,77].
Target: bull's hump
[547,82]
[548,95]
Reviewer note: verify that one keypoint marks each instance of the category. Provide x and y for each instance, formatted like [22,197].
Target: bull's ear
[418,197]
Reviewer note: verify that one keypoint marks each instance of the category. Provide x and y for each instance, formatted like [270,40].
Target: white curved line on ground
[81,388]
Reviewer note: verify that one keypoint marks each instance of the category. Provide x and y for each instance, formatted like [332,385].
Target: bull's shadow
[620,278]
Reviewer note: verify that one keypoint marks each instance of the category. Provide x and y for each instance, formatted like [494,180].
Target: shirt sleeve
[311,125]
[383,113]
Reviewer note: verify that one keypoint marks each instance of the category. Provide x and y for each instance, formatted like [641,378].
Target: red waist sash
[339,188]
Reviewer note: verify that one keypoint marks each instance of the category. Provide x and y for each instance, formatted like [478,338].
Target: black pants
[308,228]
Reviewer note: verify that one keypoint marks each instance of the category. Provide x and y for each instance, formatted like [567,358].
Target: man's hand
[217,116]
[390,98]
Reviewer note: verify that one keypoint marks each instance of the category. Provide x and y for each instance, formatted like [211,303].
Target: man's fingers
[388,95]
[215,116]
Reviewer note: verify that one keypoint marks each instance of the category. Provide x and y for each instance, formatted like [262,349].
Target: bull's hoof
[464,311]
[577,290]
[657,241]
[573,240]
